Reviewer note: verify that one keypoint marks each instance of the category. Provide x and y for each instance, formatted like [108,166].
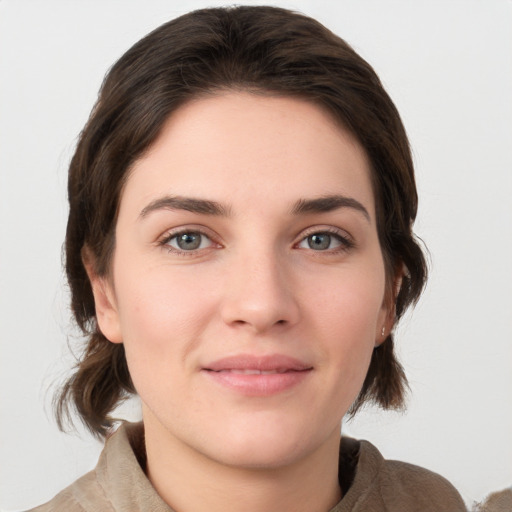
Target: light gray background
[448,66]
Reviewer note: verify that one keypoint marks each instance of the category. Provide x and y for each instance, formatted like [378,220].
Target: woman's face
[248,282]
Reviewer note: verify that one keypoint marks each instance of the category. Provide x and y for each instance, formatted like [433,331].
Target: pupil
[319,242]
[189,241]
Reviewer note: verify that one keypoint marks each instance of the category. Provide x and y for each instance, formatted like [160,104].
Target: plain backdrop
[448,67]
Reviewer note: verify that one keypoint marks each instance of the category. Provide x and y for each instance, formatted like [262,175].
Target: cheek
[353,300]
[157,299]
[160,320]
[349,316]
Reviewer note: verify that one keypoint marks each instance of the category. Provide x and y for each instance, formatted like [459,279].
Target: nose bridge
[259,289]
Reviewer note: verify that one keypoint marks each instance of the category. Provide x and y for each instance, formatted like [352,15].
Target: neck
[189,481]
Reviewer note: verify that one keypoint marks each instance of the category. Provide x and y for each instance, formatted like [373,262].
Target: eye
[325,241]
[188,241]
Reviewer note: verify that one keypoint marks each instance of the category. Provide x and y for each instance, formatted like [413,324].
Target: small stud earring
[383,332]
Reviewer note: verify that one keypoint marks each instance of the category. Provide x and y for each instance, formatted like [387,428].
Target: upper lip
[273,362]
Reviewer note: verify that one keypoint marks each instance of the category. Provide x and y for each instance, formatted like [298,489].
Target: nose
[259,293]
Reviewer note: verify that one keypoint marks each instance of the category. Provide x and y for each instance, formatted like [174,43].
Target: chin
[264,446]
[255,455]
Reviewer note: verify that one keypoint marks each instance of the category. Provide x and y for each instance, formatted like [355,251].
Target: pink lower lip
[259,384]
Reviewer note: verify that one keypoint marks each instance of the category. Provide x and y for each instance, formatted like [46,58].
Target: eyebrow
[328,204]
[190,204]
[208,207]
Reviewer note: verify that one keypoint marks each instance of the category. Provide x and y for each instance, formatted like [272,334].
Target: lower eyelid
[165,241]
[342,244]
[345,242]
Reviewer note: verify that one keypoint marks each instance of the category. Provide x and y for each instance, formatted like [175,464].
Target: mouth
[249,371]
[258,375]
[273,363]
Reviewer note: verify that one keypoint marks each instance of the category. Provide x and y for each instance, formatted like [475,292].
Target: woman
[239,249]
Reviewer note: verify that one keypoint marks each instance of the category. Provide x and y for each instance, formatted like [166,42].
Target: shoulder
[91,491]
[381,484]
[117,483]
[420,487]
[82,496]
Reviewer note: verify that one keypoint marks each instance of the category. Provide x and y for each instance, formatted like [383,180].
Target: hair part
[264,50]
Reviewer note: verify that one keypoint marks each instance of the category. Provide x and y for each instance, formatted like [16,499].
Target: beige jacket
[118,484]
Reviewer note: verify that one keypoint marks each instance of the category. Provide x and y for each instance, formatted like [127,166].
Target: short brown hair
[261,49]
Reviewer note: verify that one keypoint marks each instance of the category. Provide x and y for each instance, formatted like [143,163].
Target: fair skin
[229,261]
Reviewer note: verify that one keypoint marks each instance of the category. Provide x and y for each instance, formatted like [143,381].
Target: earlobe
[384,329]
[107,314]
[381,336]
[388,317]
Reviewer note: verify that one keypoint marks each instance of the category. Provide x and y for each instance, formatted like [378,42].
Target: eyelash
[164,242]
[346,242]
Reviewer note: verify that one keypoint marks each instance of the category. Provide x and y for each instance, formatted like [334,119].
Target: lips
[256,372]
[275,363]
[258,375]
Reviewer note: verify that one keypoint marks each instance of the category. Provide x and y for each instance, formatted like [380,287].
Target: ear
[107,314]
[387,315]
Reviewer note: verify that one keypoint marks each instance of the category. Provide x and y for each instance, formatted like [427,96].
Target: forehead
[241,148]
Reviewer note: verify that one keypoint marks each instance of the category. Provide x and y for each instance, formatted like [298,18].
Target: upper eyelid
[163,242]
[216,239]
[170,236]
[170,233]
[331,230]
[345,239]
